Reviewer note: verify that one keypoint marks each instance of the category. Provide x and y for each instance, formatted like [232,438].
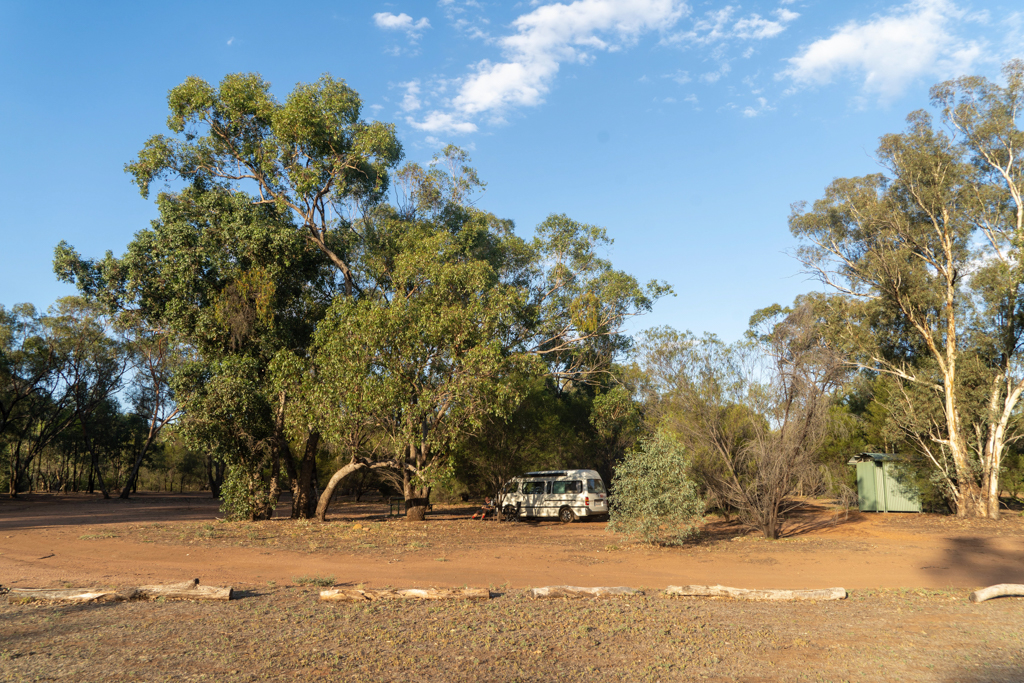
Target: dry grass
[287,635]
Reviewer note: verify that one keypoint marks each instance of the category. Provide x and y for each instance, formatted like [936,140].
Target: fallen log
[63,594]
[355,595]
[1000,590]
[767,594]
[186,589]
[579,591]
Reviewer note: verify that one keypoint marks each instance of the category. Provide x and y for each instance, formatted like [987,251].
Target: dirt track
[894,626]
[48,540]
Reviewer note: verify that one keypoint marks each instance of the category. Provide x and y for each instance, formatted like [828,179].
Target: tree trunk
[130,483]
[303,501]
[214,475]
[417,500]
[332,485]
[15,472]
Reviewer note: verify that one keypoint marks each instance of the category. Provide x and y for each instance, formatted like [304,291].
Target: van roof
[564,473]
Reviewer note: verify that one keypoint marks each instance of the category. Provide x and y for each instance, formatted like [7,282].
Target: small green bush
[654,499]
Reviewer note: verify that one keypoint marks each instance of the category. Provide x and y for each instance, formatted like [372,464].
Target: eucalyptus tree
[311,156]
[219,285]
[456,316]
[315,176]
[311,165]
[426,361]
[156,356]
[581,303]
[928,258]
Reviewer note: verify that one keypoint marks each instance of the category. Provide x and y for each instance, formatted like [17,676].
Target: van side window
[533,487]
[567,487]
[595,486]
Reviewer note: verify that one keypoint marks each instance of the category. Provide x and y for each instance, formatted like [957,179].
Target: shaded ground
[907,617]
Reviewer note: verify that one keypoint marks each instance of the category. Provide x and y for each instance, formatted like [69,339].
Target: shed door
[867,487]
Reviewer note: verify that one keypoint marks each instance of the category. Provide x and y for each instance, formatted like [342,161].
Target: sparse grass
[514,638]
[321,581]
[94,537]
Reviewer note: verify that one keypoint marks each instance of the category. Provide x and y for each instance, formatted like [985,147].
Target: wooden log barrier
[64,594]
[579,591]
[355,595]
[744,594]
[186,589]
[1000,590]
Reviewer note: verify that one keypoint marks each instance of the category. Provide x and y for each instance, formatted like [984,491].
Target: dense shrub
[654,499]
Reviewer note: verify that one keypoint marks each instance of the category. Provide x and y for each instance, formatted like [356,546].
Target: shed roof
[873,457]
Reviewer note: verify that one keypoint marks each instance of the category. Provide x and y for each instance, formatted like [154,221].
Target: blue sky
[685,129]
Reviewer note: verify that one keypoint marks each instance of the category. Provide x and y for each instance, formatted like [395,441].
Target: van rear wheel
[566,515]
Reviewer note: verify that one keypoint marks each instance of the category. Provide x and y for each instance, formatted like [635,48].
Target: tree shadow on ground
[995,672]
[973,560]
[39,510]
[805,518]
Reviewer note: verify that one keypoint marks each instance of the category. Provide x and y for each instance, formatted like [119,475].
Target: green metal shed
[883,485]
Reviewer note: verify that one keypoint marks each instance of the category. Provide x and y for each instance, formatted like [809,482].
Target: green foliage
[245,495]
[312,310]
[654,497]
[426,363]
[581,301]
[926,260]
[56,370]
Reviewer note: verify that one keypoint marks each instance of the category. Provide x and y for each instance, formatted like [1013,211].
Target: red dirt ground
[48,540]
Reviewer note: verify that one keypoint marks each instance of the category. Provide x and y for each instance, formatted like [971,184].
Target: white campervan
[566,494]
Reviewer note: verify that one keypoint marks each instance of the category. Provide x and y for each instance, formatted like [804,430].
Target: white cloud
[714,76]
[558,33]
[546,38]
[681,77]
[411,99]
[440,122]
[231,40]
[401,22]
[762,107]
[890,51]
[718,25]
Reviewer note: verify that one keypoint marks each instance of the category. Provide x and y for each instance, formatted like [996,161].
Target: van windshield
[595,486]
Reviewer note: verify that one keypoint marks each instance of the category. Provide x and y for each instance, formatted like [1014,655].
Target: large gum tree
[307,168]
[928,255]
